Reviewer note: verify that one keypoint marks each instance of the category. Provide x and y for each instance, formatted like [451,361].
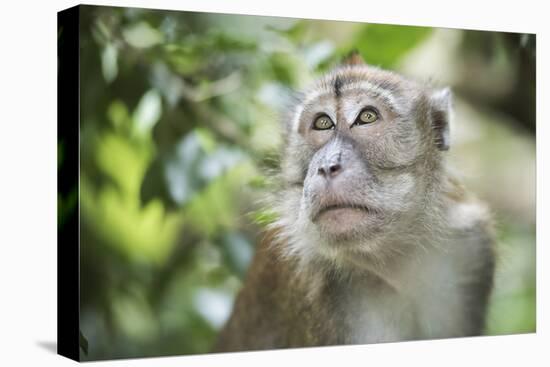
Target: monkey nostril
[329,171]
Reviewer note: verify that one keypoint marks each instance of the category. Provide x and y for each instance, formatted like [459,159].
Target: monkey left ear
[440,115]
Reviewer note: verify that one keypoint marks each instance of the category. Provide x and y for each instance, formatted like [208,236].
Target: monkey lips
[343,219]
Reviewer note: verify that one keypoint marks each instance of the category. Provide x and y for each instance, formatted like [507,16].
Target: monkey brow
[373,90]
[380,91]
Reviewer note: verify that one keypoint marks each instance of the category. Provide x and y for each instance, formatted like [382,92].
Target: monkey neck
[386,260]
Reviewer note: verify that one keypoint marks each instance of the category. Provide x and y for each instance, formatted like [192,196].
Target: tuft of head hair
[353,58]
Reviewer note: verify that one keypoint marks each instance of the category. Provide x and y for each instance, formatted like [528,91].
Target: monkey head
[363,157]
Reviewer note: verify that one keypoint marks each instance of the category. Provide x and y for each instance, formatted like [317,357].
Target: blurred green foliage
[384,45]
[179,130]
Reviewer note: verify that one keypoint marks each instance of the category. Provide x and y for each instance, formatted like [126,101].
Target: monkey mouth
[332,207]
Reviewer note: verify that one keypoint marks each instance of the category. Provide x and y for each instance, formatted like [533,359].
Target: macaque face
[359,148]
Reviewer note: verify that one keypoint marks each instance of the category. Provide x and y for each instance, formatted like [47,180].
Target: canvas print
[231,183]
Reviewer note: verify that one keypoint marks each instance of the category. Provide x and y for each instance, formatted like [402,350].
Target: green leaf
[264,217]
[384,45]
[187,168]
[83,342]
[147,112]
[295,32]
[237,252]
[142,35]
[109,62]
[119,115]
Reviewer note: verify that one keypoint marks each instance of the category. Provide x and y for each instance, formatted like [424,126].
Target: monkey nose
[330,170]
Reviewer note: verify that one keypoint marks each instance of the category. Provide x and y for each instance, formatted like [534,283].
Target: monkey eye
[367,116]
[323,123]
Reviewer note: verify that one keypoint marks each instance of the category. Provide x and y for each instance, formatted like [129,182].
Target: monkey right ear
[440,116]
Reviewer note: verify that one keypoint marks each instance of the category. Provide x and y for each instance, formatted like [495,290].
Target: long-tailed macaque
[376,240]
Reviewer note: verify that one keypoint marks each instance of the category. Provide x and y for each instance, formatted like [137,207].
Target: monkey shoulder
[466,216]
[259,319]
[468,256]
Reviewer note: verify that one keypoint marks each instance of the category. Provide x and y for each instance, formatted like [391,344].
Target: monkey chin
[346,223]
